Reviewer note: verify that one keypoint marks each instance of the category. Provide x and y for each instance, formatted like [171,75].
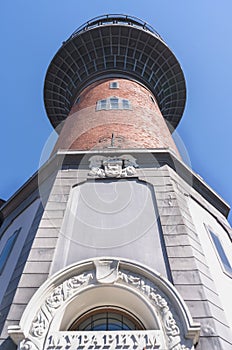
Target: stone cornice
[66,158]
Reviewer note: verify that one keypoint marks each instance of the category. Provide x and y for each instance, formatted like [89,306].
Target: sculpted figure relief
[122,166]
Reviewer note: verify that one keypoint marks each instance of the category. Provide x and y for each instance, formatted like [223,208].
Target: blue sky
[199,33]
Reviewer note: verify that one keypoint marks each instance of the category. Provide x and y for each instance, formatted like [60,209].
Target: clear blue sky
[199,33]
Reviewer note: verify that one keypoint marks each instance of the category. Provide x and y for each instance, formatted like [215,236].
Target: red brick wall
[141,127]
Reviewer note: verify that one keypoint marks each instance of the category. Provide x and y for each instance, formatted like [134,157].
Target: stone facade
[184,259]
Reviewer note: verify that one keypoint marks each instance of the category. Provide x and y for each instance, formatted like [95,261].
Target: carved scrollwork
[27,344]
[39,325]
[171,328]
[107,272]
[77,281]
[180,347]
[55,300]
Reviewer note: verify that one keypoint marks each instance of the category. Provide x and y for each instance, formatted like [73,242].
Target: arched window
[102,104]
[106,319]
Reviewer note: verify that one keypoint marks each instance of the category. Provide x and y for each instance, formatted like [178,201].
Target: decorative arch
[80,287]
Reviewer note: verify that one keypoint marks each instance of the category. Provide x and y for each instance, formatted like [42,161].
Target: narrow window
[125,104]
[114,85]
[102,104]
[113,103]
[221,252]
[7,249]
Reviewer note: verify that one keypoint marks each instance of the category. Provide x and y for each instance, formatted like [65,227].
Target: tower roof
[114,45]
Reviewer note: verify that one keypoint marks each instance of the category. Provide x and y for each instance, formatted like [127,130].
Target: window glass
[7,249]
[114,85]
[106,320]
[125,104]
[221,252]
[113,103]
[102,104]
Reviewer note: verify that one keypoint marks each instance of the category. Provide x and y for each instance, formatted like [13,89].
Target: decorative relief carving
[40,324]
[26,344]
[107,272]
[171,329]
[55,300]
[122,166]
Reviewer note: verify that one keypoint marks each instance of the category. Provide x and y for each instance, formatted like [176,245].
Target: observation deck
[114,46]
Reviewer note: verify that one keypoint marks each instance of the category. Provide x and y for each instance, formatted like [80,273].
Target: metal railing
[114,19]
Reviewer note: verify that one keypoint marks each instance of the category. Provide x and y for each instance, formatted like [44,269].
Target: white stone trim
[67,287]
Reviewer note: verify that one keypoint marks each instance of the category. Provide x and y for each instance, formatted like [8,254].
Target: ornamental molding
[161,304]
[112,167]
[106,271]
[102,272]
[56,299]
[27,344]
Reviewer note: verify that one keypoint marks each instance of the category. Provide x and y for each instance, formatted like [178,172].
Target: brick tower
[115,243]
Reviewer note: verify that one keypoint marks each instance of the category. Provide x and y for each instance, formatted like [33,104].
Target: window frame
[114,103]
[114,85]
[105,309]
[102,104]
[125,103]
[226,267]
[7,249]
[118,104]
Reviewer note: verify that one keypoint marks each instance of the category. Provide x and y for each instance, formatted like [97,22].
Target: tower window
[125,104]
[106,319]
[7,249]
[102,104]
[114,103]
[114,85]
[221,253]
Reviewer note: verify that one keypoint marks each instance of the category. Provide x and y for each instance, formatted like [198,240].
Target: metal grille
[116,50]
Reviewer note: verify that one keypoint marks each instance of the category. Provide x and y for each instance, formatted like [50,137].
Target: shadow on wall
[8,344]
